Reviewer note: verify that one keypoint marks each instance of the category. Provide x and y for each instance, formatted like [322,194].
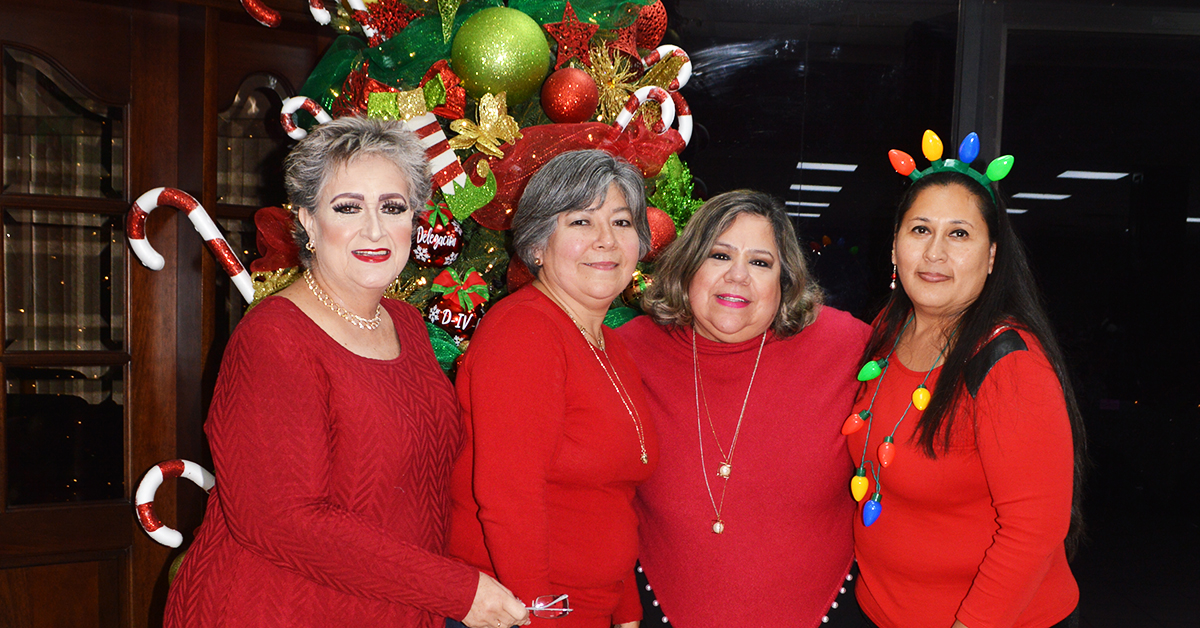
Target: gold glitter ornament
[612,75]
[268,282]
[495,127]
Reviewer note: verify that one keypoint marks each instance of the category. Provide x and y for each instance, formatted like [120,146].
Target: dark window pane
[64,434]
[56,140]
[63,281]
[251,144]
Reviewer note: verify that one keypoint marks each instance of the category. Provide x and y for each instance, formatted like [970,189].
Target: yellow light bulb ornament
[920,397]
[931,146]
[858,484]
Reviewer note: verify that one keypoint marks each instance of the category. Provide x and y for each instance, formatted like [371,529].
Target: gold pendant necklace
[614,378]
[369,324]
[726,467]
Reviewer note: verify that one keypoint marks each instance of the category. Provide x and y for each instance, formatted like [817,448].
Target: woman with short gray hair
[751,488]
[332,427]
[559,433]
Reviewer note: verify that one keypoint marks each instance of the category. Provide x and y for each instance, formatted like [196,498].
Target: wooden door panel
[79,594]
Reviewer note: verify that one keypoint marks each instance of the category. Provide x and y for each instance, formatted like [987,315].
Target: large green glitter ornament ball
[501,50]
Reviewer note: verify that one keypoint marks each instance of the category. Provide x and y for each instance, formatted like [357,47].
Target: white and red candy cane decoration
[135,232]
[359,5]
[447,170]
[685,72]
[146,489]
[270,18]
[649,92]
[682,111]
[294,104]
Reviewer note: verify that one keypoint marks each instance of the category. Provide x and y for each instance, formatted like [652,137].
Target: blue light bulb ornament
[872,509]
[968,150]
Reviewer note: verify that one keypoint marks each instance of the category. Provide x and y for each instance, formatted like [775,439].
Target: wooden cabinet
[104,362]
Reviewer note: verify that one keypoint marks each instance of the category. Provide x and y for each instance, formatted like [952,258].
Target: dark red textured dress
[332,475]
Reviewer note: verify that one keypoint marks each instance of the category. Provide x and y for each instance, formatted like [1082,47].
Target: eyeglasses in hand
[549,607]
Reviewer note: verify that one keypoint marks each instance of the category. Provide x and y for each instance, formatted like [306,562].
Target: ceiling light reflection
[1093,175]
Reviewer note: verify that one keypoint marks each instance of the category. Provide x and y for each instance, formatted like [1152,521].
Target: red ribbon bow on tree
[444,96]
[471,290]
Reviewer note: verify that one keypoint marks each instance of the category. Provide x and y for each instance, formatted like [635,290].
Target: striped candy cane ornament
[269,17]
[649,92]
[294,104]
[135,232]
[447,169]
[146,489]
[662,52]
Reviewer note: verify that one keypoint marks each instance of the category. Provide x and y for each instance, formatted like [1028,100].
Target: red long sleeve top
[787,542]
[543,490]
[975,534]
[332,473]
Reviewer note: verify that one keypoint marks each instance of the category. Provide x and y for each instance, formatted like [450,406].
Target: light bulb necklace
[886,452]
[726,467]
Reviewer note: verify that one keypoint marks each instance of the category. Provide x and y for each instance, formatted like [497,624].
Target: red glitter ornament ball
[450,315]
[570,95]
[662,231]
[651,25]
[437,239]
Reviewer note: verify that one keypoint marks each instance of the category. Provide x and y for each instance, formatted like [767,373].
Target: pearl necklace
[614,378]
[369,324]
[726,467]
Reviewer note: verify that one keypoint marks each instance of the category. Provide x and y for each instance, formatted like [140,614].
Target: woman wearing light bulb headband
[966,433]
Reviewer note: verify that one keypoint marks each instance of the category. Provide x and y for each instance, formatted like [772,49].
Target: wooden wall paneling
[290,52]
[76,594]
[152,409]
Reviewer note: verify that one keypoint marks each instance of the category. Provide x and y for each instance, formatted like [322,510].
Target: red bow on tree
[471,290]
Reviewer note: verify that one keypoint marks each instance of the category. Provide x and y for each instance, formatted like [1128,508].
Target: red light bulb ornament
[920,398]
[902,162]
[854,422]
[886,452]
[872,509]
[858,484]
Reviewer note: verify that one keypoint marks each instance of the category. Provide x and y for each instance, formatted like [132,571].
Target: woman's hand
[632,624]
[495,606]
[959,624]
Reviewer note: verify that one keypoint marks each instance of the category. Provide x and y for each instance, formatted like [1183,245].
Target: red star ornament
[626,41]
[572,37]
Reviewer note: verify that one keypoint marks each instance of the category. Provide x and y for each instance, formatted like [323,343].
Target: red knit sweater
[787,542]
[542,493]
[977,533]
[331,499]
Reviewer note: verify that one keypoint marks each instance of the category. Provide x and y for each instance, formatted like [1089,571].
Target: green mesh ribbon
[618,316]
[443,347]
[325,83]
[608,14]
[403,60]
[673,192]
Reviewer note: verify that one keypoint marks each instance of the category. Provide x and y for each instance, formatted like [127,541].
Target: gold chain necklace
[726,467]
[370,324]
[613,378]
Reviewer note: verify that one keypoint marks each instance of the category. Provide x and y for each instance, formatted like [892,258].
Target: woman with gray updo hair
[331,145]
[558,431]
[332,427]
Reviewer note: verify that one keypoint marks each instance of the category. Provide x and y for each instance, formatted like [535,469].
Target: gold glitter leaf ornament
[495,127]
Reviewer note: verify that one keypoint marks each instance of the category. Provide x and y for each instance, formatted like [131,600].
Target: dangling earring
[893,284]
[312,247]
